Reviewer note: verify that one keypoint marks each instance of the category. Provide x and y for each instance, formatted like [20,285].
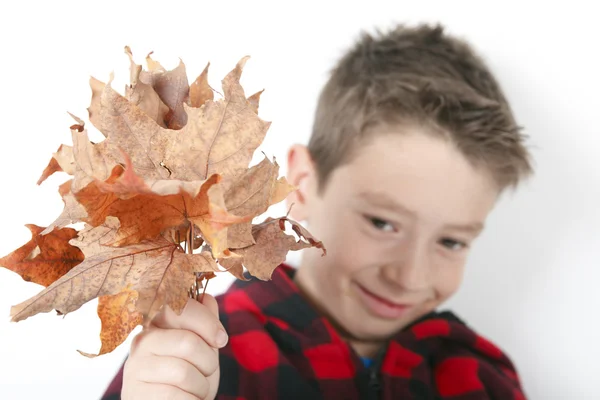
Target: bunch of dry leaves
[167,200]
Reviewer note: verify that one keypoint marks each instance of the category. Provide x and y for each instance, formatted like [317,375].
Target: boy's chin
[372,328]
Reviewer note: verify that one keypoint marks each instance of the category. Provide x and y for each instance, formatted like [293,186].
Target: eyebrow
[383,200]
[474,228]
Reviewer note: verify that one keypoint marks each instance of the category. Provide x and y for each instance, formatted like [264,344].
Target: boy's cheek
[447,281]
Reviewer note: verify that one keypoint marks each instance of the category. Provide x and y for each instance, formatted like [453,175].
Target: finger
[174,372]
[200,318]
[179,343]
[158,391]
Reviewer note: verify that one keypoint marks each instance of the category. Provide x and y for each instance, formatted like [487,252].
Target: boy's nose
[410,271]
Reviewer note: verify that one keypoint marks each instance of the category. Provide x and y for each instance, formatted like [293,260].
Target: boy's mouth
[381,306]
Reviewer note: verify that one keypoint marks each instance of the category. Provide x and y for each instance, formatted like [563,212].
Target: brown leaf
[153,66]
[128,129]
[92,161]
[95,240]
[157,269]
[235,267]
[251,195]
[44,259]
[73,212]
[174,163]
[271,248]
[200,91]
[145,214]
[254,100]
[220,137]
[304,235]
[119,317]
[172,88]
[143,95]
[97,88]
[62,161]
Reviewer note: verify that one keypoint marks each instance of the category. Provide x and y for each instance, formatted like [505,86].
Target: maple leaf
[45,258]
[157,269]
[200,91]
[73,212]
[143,95]
[92,161]
[119,317]
[219,137]
[252,194]
[146,211]
[254,100]
[173,169]
[93,109]
[172,87]
[271,247]
[62,160]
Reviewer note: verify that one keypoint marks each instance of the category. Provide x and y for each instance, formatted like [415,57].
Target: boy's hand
[177,357]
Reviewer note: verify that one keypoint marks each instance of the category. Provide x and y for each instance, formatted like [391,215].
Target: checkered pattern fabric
[281,348]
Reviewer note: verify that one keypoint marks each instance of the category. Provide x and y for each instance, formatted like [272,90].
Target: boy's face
[398,222]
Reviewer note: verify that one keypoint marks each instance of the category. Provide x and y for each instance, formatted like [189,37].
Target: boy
[413,143]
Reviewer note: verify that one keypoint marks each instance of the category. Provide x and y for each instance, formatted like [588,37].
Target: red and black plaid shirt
[281,348]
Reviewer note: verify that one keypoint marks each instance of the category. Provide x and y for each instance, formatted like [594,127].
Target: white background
[532,281]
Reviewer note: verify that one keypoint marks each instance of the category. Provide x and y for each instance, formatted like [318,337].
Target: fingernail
[222,338]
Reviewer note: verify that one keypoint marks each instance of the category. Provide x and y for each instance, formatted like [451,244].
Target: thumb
[211,303]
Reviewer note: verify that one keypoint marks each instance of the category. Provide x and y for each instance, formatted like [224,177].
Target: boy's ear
[300,173]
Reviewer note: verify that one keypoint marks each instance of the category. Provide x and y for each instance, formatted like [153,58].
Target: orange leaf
[119,317]
[173,169]
[157,269]
[144,214]
[62,160]
[44,259]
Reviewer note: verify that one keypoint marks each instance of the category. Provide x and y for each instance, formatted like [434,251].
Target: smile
[381,307]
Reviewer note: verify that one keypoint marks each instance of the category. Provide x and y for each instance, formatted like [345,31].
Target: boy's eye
[453,244]
[381,224]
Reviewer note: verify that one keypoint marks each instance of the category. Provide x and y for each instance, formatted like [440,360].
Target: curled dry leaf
[119,317]
[143,95]
[271,248]
[173,89]
[45,258]
[72,212]
[61,161]
[252,194]
[172,172]
[200,91]
[157,269]
[144,214]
